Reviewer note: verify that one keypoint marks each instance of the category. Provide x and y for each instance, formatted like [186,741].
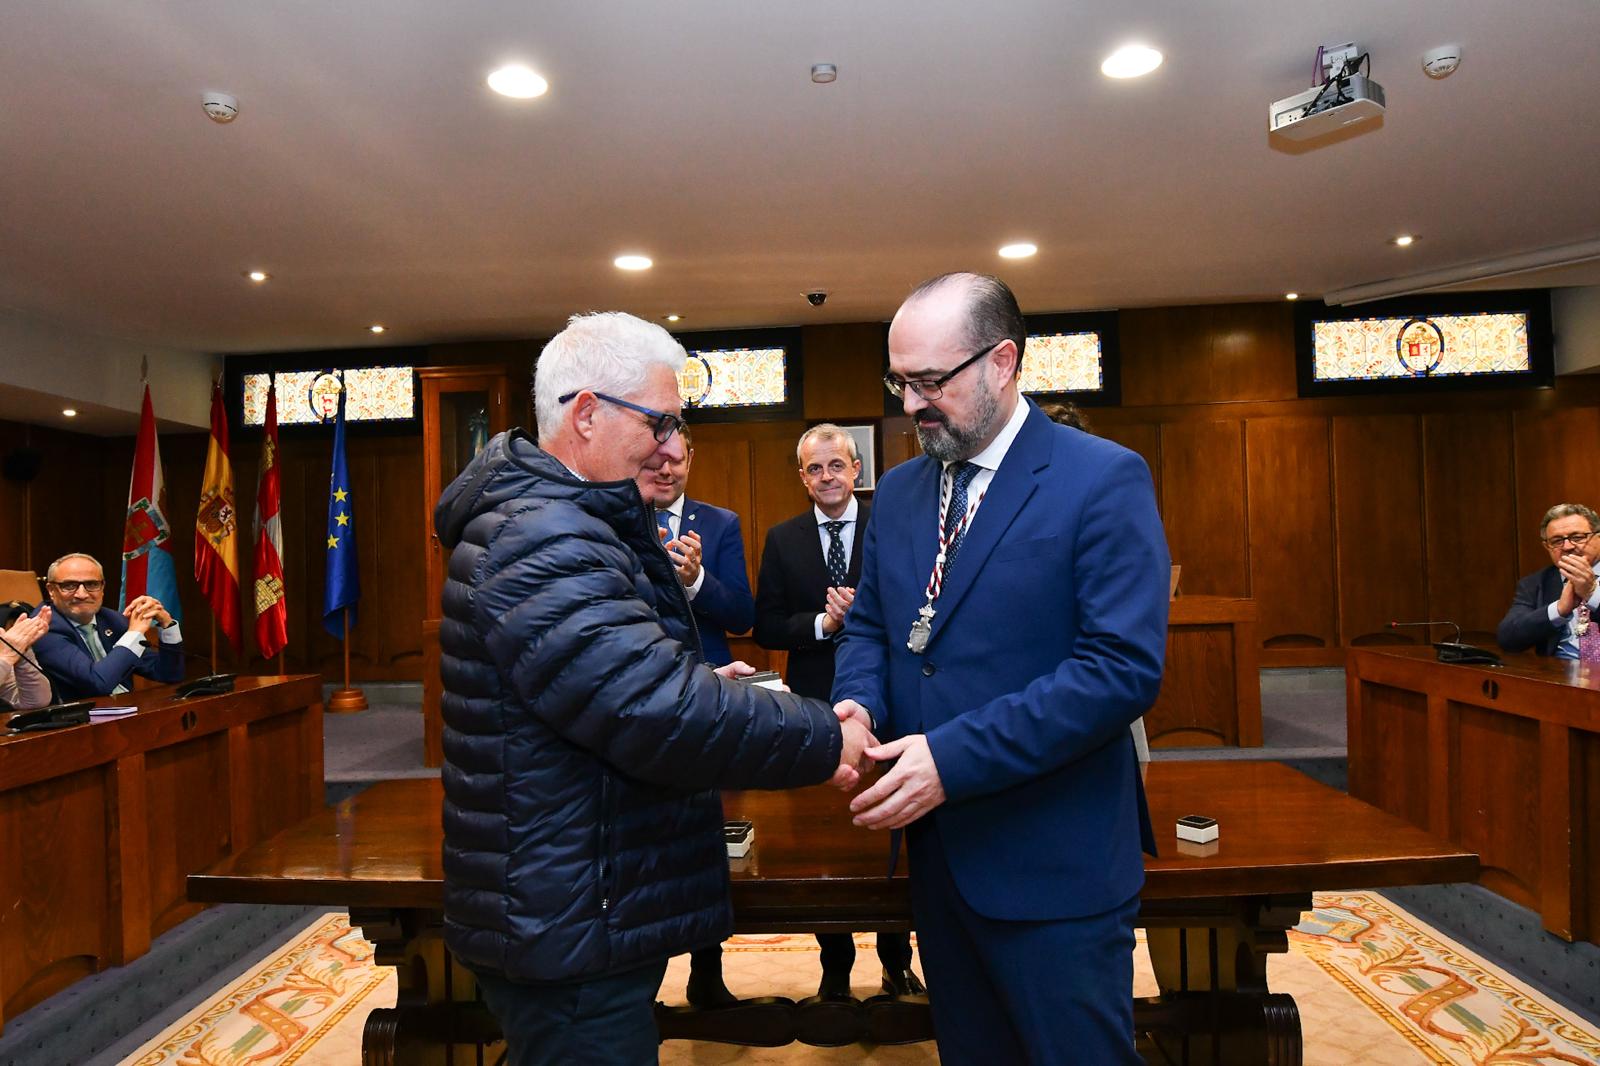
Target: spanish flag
[216,529]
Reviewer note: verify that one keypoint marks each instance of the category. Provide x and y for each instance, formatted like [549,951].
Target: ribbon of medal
[922,628]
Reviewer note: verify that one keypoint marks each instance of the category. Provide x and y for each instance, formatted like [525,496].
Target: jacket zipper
[605,843]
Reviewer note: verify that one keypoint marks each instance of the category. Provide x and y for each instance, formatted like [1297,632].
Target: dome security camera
[817,297]
[220,107]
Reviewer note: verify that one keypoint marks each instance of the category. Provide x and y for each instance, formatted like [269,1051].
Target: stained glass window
[1378,349]
[377,394]
[733,377]
[1063,362]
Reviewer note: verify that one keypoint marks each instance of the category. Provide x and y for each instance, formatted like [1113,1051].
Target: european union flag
[343,586]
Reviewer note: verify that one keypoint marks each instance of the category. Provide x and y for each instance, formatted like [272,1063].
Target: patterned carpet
[1374,984]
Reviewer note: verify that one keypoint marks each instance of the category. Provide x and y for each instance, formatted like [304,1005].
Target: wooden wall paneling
[1377,470]
[1470,500]
[1290,521]
[14,553]
[1496,761]
[779,495]
[899,443]
[843,371]
[1141,437]
[720,475]
[1556,463]
[1585,817]
[1210,354]
[1203,489]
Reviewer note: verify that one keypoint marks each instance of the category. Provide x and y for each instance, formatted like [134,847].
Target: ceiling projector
[1324,108]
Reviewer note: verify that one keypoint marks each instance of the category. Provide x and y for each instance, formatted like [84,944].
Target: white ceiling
[377,178]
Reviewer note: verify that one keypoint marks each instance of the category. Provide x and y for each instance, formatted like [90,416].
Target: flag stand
[214,669]
[347,699]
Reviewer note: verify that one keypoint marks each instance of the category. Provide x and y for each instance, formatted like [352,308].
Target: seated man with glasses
[1551,610]
[91,650]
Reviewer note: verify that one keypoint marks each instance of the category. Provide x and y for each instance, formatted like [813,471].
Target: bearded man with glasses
[91,650]
[1009,624]
[1552,609]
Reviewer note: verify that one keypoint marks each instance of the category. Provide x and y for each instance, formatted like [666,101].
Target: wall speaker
[22,464]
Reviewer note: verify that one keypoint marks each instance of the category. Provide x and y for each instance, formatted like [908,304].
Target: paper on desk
[110,712]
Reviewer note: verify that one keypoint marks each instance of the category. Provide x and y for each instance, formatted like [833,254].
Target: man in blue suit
[91,651]
[1009,625]
[1551,609]
[707,547]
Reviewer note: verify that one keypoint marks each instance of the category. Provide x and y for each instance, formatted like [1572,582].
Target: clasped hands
[1580,582]
[144,612]
[685,552]
[910,789]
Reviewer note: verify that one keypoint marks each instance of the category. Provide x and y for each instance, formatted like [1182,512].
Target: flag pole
[347,699]
[214,642]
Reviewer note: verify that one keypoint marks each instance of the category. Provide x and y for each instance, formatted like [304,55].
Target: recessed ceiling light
[375,328]
[70,412]
[1405,240]
[1291,296]
[674,318]
[257,276]
[1131,61]
[518,82]
[824,73]
[633,262]
[1020,250]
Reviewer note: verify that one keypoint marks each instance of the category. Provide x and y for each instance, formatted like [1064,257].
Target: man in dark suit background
[93,651]
[1009,624]
[809,569]
[707,547]
[1551,607]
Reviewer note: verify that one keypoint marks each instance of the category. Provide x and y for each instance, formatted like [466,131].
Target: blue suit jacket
[1527,622]
[76,676]
[724,604]
[1049,641]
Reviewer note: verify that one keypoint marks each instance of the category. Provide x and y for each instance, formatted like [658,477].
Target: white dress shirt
[847,536]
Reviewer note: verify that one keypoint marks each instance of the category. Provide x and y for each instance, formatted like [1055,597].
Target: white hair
[826,431]
[603,351]
[50,571]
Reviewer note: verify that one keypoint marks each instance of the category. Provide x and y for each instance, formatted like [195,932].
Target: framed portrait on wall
[867,448]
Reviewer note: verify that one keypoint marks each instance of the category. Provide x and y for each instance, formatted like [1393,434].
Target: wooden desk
[1503,761]
[1213,918]
[1211,690]
[101,823]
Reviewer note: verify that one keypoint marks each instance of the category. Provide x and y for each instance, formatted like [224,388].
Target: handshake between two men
[911,787]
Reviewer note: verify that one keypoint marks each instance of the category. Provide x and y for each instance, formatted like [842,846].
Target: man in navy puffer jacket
[584,739]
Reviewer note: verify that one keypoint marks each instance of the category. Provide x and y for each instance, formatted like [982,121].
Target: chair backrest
[20,585]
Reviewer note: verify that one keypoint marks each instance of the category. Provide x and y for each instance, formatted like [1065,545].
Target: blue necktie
[664,520]
[961,479]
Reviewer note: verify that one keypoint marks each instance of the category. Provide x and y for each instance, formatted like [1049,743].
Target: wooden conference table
[1503,761]
[1214,913]
[101,823]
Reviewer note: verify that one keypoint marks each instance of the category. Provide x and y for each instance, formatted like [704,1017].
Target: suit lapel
[924,524]
[863,512]
[1010,489]
[688,523]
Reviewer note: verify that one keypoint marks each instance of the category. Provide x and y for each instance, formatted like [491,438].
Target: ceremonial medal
[1580,624]
[921,630]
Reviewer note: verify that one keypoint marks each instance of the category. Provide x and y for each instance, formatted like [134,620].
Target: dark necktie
[838,572]
[961,479]
[663,519]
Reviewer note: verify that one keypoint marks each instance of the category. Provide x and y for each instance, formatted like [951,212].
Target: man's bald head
[989,311]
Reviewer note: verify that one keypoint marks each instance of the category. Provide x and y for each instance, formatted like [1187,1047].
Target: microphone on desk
[1454,651]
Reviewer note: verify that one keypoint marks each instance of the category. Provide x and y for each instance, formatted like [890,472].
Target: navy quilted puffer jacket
[584,740]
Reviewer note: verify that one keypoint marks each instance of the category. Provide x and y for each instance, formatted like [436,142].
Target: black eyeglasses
[1577,540]
[662,424]
[71,587]
[932,388]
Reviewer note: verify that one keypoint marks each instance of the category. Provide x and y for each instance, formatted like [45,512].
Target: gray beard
[949,443]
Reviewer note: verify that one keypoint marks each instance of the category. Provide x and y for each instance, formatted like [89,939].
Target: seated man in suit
[809,570]
[91,651]
[708,548]
[1550,612]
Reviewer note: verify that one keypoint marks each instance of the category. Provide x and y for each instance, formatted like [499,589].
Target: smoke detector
[1441,62]
[220,107]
